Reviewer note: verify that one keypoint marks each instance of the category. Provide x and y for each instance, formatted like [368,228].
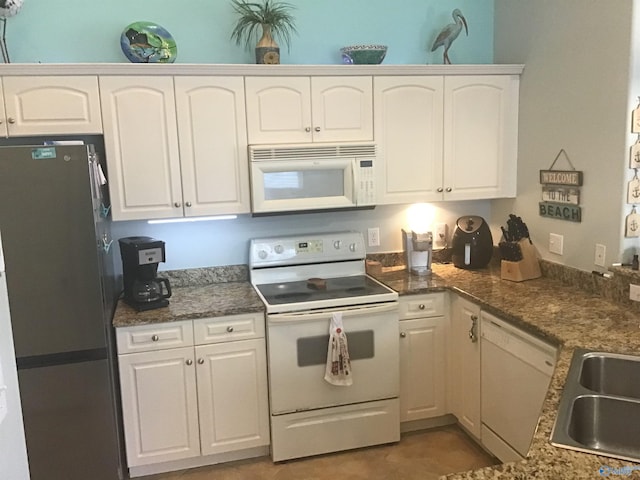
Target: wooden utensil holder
[525,269]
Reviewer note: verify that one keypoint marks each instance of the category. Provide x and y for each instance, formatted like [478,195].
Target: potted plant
[275,20]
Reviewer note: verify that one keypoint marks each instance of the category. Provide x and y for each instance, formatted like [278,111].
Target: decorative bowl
[363,54]
[148,42]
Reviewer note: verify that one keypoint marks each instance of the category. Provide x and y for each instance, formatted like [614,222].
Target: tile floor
[423,455]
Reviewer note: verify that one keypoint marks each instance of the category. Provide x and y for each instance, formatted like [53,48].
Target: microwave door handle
[354,181]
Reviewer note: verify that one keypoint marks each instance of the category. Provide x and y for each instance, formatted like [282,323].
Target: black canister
[472,243]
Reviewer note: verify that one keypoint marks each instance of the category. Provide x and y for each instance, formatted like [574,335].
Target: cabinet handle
[155,338]
[317,129]
[449,189]
[188,204]
[473,331]
[189,362]
[421,306]
[403,334]
[439,189]
[11,120]
[308,129]
[229,329]
[200,361]
[177,204]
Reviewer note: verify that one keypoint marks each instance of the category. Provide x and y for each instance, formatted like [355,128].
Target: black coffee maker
[143,290]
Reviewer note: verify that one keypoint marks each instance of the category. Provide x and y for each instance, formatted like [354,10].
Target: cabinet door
[342,109]
[464,363]
[159,406]
[52,105]
[408,132]
[141,143]
[232,395]
[480,137]
[422,368]
[278,109]
[213,145]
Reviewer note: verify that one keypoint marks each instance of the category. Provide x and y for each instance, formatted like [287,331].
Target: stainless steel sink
[611,374]
[599,411]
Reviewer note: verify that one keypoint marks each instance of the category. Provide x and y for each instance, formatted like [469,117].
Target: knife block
[525,269]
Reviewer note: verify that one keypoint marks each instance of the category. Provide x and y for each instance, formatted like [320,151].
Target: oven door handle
[298,317]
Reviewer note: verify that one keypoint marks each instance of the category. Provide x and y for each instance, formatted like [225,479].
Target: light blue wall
[78,31]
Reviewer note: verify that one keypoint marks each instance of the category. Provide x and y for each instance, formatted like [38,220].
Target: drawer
[157,336]
[229,328]
[419,306]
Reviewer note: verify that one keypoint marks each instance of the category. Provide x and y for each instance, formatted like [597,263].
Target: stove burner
[295,296]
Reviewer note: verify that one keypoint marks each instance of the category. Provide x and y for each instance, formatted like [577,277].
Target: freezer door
[69,422]
[50,250]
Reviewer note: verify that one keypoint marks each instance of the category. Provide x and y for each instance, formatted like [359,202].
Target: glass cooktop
[324,289]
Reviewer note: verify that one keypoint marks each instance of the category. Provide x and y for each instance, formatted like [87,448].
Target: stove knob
[337,244]
[353,247]
[278,249]
[262,254]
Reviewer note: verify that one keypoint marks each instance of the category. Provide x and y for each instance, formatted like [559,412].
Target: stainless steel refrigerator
[62,292]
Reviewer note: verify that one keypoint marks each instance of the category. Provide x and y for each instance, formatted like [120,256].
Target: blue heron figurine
[449,33]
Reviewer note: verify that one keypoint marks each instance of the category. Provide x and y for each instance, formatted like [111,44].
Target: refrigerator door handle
[2,267]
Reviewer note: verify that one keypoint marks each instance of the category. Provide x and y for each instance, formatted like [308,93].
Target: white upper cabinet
[480,136]
[151,173]
[50,105]
[446,138]
[408,132]
[141,143]
[309,109]
[213,145]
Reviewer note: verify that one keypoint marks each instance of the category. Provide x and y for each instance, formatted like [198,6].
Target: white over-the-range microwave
[307,177]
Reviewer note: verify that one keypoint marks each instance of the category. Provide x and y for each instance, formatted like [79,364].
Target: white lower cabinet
[464,364]
[201,401]
[423,325]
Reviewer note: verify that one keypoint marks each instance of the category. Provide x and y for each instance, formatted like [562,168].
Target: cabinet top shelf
[15,69]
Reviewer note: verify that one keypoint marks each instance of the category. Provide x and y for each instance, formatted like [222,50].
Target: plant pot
[267,50]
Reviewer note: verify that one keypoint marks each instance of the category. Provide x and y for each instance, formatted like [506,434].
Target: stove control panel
[307,248]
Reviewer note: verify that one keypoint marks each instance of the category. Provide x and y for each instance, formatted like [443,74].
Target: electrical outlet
[601,252]
[634,292]
[556,243]
[440,235]
[374,236]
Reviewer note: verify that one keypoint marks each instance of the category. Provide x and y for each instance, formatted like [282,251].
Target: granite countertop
[191,302]
[562,314]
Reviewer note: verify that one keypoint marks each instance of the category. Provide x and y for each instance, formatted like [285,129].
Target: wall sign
[560,192]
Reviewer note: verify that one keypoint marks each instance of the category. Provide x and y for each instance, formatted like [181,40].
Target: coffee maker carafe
[418,250]
[143,290]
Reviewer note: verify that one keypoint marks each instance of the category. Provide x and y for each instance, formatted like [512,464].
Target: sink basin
[611,374]
[599,410]
[607,425]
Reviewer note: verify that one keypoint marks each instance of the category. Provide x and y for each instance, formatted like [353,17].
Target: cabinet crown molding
[253,70]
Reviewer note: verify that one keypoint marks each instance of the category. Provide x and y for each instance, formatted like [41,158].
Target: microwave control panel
[365,182]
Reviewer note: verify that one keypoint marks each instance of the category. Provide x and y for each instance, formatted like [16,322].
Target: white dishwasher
[516,370]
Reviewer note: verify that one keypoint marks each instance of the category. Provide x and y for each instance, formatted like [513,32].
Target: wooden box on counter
[525,269]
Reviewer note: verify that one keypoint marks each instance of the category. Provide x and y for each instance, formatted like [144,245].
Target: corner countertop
[201,301]
[562,314]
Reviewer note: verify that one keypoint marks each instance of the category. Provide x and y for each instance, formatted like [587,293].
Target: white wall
[573,96]
[191,245]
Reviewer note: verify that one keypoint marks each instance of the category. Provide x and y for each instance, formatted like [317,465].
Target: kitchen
[556,60]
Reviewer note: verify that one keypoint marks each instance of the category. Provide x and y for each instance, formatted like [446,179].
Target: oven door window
[313,350]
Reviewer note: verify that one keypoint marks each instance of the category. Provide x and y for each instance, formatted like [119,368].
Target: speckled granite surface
[199,301]
[566,315]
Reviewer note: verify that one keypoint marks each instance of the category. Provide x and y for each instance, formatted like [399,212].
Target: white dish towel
[338,369]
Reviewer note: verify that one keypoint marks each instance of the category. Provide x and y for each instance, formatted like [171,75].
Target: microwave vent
[288,152]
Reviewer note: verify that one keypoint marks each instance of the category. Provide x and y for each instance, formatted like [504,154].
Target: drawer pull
[421,306]
[155,338]
[229,329]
